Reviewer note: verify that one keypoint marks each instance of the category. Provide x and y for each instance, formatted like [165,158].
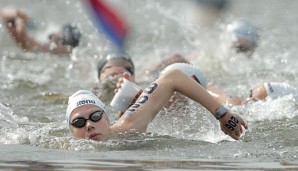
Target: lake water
[35,87]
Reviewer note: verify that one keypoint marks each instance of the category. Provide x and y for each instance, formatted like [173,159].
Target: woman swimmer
[86,115]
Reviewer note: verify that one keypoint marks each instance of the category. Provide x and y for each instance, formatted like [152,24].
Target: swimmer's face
[258,93]
[115,68]
[98,130]
[55,44]
[244,46]
[55,37]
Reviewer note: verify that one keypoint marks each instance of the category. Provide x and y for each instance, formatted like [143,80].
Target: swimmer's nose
[90,125]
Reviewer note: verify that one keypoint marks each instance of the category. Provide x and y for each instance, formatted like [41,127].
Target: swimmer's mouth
[94,136]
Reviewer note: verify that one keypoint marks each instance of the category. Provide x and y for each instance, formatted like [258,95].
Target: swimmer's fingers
[231,124]
[8,12]
[128,76]
[120,114]
[125,75]
[244,124]
[23,15]
[118,84]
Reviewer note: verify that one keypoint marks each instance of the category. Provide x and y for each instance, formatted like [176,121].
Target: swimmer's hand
[8,13]
[125,75]
[232,125]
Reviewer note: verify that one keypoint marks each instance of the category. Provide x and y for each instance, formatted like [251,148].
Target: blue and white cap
[189,70]
[244,29]
[80,98]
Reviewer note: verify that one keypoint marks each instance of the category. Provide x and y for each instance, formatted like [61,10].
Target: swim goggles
[242,49]
[81,122]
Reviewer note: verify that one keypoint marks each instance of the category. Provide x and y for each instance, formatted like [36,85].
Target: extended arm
[152,100]
[15,21]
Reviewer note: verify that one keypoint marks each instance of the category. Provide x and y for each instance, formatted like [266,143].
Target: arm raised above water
[15,20]
[154,97]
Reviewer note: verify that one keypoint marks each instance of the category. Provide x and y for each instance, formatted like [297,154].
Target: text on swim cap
[83,102]
[270,88]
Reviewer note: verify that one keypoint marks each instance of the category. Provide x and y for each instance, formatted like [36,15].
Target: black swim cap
[114,55]
[70,35]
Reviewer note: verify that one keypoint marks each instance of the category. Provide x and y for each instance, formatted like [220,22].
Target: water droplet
[232,60]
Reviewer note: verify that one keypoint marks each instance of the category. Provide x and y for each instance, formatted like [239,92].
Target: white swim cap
[279,89]
[189,70]
[80,98]
[244,29]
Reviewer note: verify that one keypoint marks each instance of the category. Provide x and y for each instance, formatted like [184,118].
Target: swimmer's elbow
[171,73]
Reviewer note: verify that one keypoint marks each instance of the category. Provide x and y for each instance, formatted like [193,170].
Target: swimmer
[110,68]
[61,42]
[113,64]
[272,90]
[245,36]
[87,118]
[267,90]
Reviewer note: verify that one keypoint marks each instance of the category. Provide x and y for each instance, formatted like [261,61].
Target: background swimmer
[110,68]
[267,90]
[273,90]
[113,64]
[244,36]
[58,43]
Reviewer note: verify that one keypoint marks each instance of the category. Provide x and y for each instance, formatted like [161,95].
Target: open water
[34,89]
